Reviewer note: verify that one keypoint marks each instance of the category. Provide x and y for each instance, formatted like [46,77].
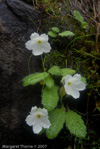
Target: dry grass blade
[90,10]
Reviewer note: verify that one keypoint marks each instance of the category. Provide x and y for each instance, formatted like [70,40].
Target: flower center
[38,115]
[69,83]
[39,41]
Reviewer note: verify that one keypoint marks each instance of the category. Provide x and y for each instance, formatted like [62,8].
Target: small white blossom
[38,44]
[38,119]
[73,85]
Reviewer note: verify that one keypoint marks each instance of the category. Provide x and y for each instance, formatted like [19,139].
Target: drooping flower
[38,119]
[73,85]
[38,44]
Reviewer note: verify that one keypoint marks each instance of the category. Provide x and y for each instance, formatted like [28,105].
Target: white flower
[38,44]
[73,85]
[38,119]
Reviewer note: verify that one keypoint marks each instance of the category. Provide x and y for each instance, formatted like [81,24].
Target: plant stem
[61,99]
[29,64]
[43,62]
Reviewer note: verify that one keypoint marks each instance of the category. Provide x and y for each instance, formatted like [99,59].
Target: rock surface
[16,101]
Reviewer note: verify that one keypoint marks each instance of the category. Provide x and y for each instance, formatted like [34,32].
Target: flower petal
[45,123]
[37,52]
[75,93]
[33,109]
[46,47]
[43,111]
[77,76]
[79,86]
[30,120]
[34,35]
[67,78]
[37,128]
[44,37]
[29,45]
[68,89]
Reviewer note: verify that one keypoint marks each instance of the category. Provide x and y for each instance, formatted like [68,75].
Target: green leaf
[84,25]
[57,119]
[50,97]
[78,16]
[67,71]
[55,29]
[83,79]
[34,78]
[66,33]
[52,34]
[75,124]
[55,70]
[49,82]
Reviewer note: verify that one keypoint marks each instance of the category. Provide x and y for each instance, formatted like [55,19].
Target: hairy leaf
[66,33]
[49,81]
[78,16]
[57,119]
[75,124]
[67,71]
[55,29]
[50,97]
[52,34]
[34,78]
[55,70]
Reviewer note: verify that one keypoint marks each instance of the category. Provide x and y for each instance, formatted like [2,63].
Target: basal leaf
[55,70]
[57,119]
[55,29]
[34,78]
[67,71]
[49,82]
[75,124]
[50,97]
[52,34]
[66,33]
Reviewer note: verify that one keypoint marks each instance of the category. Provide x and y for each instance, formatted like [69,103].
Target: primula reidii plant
[52,117]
